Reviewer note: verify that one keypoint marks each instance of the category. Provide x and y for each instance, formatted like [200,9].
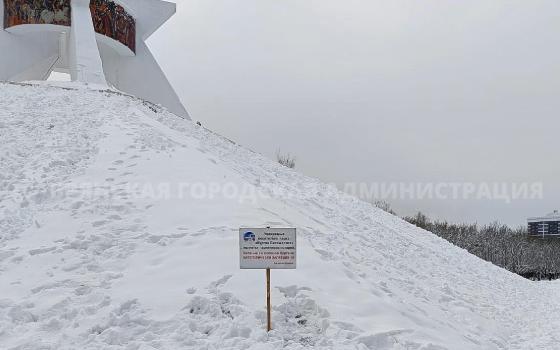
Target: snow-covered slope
[118,226]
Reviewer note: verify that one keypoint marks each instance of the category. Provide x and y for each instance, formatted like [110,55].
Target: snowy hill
[118,226]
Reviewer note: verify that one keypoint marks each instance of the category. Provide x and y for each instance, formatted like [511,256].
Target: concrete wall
[84,58]
[24,60]
[141,76]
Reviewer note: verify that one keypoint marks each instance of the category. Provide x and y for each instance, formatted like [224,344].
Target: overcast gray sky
[370,91]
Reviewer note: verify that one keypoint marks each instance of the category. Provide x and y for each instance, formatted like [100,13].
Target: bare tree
[511,249]
[286,160]
[385,206]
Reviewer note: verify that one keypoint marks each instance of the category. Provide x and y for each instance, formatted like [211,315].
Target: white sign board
[267,248]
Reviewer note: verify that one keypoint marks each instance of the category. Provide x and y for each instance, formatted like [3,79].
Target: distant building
[545,226]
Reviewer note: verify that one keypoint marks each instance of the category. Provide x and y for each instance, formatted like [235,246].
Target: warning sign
[267,248]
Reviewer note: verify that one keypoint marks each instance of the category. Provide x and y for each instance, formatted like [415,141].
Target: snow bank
[118,226]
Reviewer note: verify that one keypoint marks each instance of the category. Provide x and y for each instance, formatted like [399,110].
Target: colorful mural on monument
[112,20]
[18,12]
[109,18]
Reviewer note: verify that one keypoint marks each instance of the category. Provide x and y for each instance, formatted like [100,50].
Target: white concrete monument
[98,42]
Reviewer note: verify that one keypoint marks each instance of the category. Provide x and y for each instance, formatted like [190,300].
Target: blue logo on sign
[249,236]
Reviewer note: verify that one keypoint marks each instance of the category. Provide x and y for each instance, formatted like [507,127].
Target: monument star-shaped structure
[100,42]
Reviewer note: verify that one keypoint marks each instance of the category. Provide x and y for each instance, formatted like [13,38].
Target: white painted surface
[141,76]
[85,61]
[40,70]
[22,55]
[149,14]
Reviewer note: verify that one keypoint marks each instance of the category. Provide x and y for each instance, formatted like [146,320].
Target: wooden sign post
[268,305]
[267,248]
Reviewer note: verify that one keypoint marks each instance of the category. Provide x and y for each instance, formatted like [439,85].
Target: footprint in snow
[292,291]
[220,282]
[77,205]
[328,256]
[99,223]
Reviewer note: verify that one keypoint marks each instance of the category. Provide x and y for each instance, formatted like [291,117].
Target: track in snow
[118,231]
